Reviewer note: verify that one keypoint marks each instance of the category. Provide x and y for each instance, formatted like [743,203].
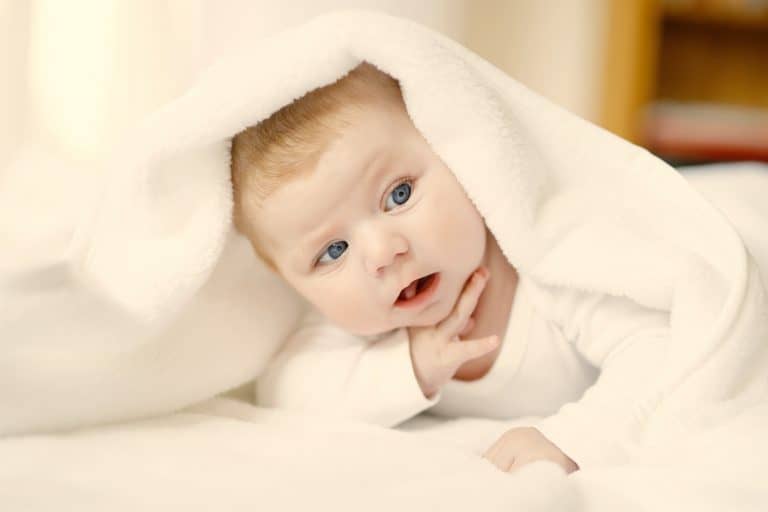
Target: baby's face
[378,211]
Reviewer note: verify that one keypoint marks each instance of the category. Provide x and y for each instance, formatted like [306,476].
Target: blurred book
[693,131]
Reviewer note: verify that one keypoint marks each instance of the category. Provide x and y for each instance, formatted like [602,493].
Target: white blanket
[156,304]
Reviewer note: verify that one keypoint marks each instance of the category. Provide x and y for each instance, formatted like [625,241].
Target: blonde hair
[272,152]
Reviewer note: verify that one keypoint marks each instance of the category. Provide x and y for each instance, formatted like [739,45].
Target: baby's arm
[326,370]
[627,342]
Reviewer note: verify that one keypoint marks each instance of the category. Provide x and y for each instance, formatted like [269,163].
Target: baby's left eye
[399,194]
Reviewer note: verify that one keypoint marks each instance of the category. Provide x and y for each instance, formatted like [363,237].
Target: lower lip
[422,297]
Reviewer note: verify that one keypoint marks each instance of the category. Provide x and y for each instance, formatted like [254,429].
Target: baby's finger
[467,326]
[493,451]
[464,307]
[457,353]
[497,456]
[516,464]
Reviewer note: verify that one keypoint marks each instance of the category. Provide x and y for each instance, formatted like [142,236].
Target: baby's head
[341,195]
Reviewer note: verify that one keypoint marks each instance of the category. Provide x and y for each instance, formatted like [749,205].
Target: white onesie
[558,342]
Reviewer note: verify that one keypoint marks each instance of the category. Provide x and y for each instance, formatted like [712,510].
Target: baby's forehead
[317,193]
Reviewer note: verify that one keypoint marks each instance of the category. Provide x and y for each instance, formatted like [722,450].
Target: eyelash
[408,179]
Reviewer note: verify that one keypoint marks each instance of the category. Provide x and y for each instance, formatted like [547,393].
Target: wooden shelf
[701,63]
[693,77]
[733,14]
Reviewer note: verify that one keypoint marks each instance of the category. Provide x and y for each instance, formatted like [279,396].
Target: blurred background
[686,78]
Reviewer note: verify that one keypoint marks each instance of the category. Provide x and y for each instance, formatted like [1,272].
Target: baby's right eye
[335,250]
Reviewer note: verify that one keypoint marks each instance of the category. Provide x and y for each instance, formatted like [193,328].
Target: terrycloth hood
[569,203]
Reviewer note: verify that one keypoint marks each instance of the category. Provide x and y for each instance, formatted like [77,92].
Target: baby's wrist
[427,388]
[429,391]
[424,373]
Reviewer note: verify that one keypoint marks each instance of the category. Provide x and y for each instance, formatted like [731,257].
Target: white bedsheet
[227,455]
[722,469]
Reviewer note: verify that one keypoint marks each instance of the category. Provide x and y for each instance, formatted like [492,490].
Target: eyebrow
[375,167]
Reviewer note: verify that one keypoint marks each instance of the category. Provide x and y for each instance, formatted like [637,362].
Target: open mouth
[418,291]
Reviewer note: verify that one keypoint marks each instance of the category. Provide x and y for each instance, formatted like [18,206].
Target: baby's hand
[437,352]
[523,445]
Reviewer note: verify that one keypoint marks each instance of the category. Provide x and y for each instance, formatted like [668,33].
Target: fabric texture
[570,204]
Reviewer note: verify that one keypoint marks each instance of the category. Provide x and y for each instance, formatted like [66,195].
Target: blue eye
[335,250]
[400,194]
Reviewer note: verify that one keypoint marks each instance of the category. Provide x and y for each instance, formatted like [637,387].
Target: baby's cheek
[351,315]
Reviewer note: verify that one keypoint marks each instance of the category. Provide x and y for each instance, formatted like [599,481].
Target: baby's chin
[430,318]
[427,318]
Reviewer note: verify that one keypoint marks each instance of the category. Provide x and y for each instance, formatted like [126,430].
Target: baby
[415,306]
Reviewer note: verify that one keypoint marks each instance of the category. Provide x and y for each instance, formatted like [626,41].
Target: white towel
[178,309]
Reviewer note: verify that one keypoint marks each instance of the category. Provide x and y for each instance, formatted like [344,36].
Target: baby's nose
[383,250]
